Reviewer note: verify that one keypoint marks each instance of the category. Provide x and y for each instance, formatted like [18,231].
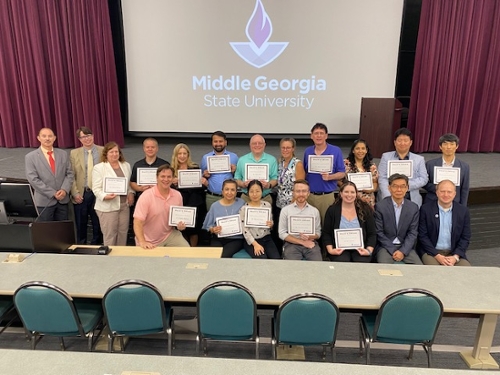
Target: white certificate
[257,217]
[301,224]
[180,213]
[362,180]
[231,225]
[115,185]
[349,238]
[146,176]
[447,173]
[219,164]
[256,171]
[189,178]
[400,166]
[320,164]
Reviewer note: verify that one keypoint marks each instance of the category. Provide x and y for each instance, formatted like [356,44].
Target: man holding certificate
[257,165]
[402,161]
[300,226]
[152,214]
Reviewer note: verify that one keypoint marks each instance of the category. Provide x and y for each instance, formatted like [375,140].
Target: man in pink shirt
[152,211]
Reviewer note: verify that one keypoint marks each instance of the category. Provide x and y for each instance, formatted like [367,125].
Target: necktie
[90,166]
[52,162]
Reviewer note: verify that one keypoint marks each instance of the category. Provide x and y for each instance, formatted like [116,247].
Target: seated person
[396,221]
[444,230]
[349,211]
[299,246]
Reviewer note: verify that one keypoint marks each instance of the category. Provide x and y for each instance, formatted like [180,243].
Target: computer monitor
[18,201]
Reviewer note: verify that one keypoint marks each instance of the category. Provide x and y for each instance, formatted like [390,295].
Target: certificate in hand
[447,173]
[184,214]
[362,180]
[189,178]
[400,166]
[219,164]
[256,171]
[115,185]
[146,176]
[231,225]
[257,217]
[301,224]
[320,164]
[349,239]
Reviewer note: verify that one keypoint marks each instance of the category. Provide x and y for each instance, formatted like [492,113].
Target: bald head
[446,192]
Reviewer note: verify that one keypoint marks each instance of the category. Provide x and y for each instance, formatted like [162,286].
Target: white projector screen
[257,66]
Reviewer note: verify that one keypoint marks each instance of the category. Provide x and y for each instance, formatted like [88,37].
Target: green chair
[7,310]
[226,312]
[306,319]
[136,308]
[407,316]
[46,309]
[242,254]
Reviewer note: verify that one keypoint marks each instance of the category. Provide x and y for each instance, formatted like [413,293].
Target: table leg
[479,357]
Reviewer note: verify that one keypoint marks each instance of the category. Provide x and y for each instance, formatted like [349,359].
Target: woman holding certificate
[114,196]
[190,183]
[290,168]
[360,160]
[223,221]
[256,221]
[349,233]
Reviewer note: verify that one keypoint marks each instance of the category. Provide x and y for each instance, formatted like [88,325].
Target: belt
[216,195]
[321,192]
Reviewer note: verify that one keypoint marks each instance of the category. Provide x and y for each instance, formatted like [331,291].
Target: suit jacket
[78,162]
[332,222]
[462,190]
[101,171]
[418,180]
[406,231]
[428,231]
[44,182]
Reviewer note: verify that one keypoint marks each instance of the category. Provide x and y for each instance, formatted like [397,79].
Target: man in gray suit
[49,172]
[396,220]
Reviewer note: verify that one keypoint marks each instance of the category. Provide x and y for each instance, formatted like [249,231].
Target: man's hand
[78,199]
[147,245]
[60,195]
[398,256]
[181,225]
[308,243]
[446,261]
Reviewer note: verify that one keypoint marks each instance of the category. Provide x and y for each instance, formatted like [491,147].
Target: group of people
[272,208]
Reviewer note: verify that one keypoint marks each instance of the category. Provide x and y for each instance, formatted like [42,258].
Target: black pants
[230,246]
[270,249]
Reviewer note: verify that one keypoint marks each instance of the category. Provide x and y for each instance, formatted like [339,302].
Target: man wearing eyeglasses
[396,221]
[83,160]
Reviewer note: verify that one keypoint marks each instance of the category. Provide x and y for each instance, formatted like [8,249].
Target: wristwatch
[457,258]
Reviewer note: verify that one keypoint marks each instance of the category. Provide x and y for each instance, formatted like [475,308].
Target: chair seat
[168,313]
[369,321]
[242,254]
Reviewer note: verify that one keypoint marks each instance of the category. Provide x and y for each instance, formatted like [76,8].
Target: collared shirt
[316,182]
[294,210]
[45,153]
[250,159]
[397,213]
[448,165]
[216,179]
[445,224]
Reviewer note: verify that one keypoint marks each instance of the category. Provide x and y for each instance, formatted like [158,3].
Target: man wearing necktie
[48,171]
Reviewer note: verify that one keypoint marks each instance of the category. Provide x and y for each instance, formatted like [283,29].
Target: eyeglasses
[87,136]
[286,148]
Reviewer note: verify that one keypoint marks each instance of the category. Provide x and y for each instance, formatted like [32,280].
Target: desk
[463,290]
[172,252]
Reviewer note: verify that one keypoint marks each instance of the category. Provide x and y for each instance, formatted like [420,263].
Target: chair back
[408,316]
[134,307]
[47,309]
[227,311]
[307,319]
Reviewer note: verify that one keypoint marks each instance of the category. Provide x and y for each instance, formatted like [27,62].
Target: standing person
[448,144]
[49,173]
[290,168]
[228,205]
[83,160]
[215,180]
[403,139]
[257,156]
[192,197]
[323,185]
[258,242]
[360,160]
[348,212]
[112,209]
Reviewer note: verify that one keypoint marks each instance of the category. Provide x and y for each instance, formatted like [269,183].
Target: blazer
[101,171]
[419,179]
[332,222]
[78,162]
[462,190]
[44,182]
[406,231]
[428,230]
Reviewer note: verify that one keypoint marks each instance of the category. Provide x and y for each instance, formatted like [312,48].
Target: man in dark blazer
[444,230]
[49,172]
[396,221]
[448,144]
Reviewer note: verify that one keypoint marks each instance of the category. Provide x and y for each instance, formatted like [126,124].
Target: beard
[219,148]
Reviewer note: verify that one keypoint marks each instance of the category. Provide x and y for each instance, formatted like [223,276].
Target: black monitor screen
[18,200]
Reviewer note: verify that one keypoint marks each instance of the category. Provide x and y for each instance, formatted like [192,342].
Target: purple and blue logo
[259,52]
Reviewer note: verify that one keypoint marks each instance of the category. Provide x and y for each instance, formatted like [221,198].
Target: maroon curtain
[57,70]
[456,80]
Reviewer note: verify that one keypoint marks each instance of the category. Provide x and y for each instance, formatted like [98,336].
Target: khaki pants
[431,261]
[114,225]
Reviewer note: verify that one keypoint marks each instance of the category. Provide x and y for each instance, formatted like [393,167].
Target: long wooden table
[463,290]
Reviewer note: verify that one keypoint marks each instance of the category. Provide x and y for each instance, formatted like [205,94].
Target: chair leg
[428,351]
[334,354]
[324,353]
[205,346]
[111,341]
[198,344]
[33,339]
[410,354]
[367,351]
[61,341]
[122,344]
[169,343]
[257,341]
[273,347]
